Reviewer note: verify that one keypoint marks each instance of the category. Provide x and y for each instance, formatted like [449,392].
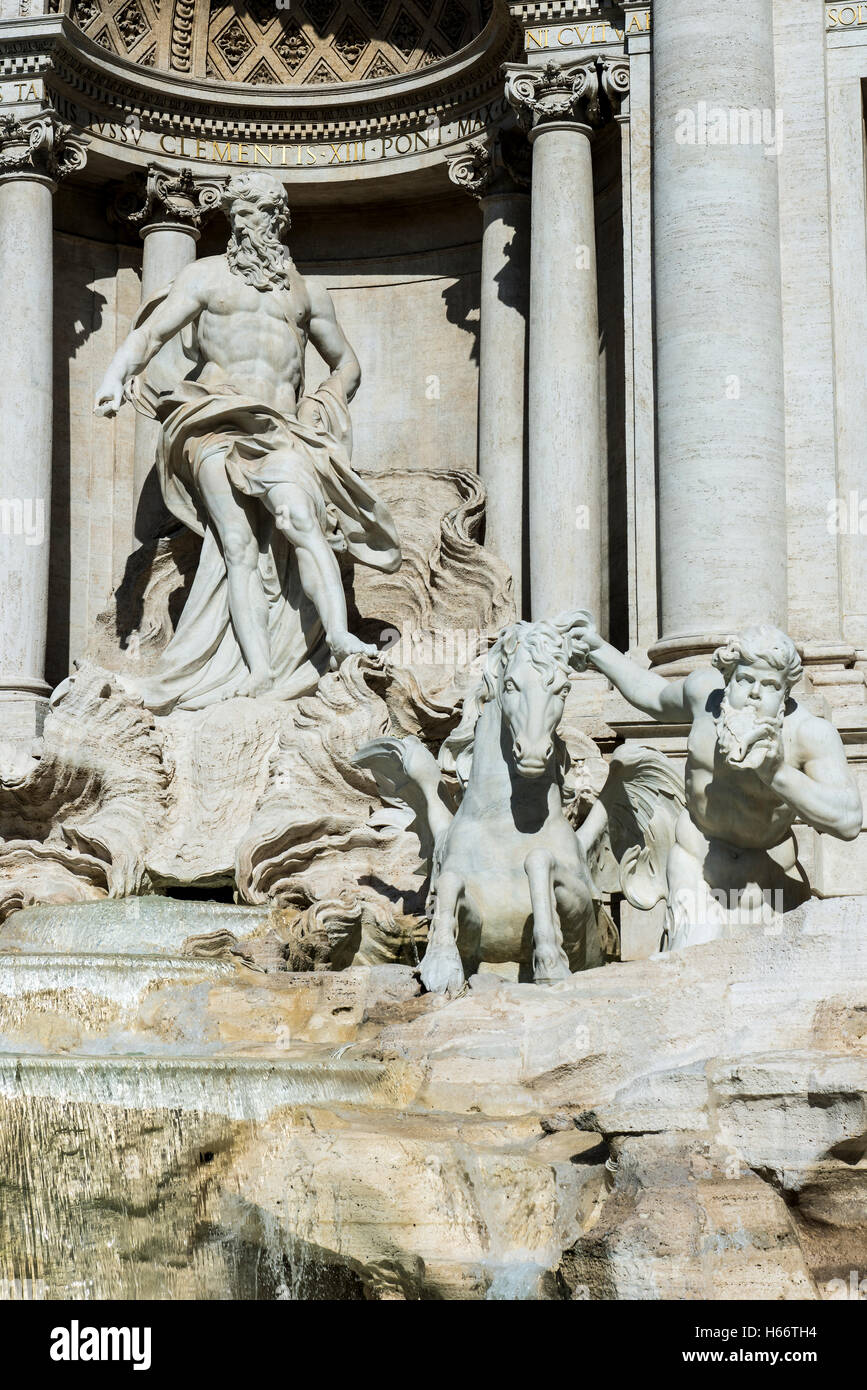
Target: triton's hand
[580,629]
[768,757]
[110,398]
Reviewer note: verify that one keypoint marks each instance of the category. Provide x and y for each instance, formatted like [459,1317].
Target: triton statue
[756,761]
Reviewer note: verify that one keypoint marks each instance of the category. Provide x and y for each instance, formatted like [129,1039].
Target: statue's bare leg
[550,962]
[317,567]
[248,602]
[441,969]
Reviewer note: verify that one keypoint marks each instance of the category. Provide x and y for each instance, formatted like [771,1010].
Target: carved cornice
[168,198]
[113,89]
[555,11]
[588,92]
[491,166]
[40,147]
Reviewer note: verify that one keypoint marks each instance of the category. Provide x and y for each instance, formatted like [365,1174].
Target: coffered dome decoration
[315,42]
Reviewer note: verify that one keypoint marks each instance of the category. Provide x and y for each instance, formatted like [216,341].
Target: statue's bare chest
[233,299]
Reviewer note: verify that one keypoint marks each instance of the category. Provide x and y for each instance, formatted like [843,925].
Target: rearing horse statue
[511,879]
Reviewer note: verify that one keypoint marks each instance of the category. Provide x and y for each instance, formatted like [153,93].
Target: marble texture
[240,434]
[756,761]
[688,1127]
[718,315]
[513,881]
[26,410]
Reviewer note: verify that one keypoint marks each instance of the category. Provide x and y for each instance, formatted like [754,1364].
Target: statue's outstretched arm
[184,302]
[661,699]
[330,342]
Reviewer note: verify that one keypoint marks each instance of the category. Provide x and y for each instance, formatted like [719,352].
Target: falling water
[185,1128]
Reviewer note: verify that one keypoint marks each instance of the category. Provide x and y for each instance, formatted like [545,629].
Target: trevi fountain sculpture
[288,910]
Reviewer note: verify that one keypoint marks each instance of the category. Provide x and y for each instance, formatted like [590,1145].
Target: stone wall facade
[657,374]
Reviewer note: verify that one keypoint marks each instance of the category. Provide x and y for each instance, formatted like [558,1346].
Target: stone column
[720,404]
[497,174]
[34,156]
[559,106]
[169,224]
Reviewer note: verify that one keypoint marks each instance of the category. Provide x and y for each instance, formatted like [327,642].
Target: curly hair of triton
[263,190]
[760,646]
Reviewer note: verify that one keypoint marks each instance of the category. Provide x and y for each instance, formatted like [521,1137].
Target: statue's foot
[257,683]
[343,644]
[550,968]
[441,971]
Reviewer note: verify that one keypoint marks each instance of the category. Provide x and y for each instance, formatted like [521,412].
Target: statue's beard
[743,736]
[259,258]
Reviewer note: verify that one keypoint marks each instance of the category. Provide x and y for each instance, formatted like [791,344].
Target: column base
[677,656]
[22,715]
[834,674]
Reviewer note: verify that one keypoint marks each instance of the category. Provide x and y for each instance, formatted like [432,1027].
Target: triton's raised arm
[184,302]
[661,699]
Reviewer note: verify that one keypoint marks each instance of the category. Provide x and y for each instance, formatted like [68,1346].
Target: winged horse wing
[408,773]
[630,829]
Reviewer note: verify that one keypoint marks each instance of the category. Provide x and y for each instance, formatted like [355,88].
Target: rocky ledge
[689,1126]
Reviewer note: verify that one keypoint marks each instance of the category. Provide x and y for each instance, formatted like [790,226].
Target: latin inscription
[585,35]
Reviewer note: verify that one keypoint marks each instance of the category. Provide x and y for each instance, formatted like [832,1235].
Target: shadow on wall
[460,298]
[510,271]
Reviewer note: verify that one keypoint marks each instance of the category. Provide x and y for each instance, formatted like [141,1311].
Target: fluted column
[169,223]
[497,174]
[720,404]
[559,106]
[34,156]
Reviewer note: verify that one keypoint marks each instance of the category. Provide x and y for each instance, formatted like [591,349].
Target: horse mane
[548,647]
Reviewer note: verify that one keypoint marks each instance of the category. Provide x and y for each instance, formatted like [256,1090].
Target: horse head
[531,684]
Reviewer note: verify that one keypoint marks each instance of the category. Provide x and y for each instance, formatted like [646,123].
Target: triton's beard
[260,259]
[743,736]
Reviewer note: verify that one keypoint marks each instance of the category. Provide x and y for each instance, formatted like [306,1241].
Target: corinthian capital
[495,164]
[588,92]
[40,146]
[169,197]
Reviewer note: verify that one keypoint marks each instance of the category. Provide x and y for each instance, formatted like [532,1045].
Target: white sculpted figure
[756,761]
[511,879]
[259,469]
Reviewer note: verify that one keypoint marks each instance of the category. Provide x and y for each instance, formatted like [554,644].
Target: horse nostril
[519,748]
[549,751]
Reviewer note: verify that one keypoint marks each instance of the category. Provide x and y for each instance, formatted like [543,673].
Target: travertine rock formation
[691,1126]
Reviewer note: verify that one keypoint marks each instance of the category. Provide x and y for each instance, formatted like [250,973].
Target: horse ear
[572,626]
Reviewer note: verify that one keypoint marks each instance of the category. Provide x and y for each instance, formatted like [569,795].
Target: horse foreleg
[576,908]
[441,969]
[550,962]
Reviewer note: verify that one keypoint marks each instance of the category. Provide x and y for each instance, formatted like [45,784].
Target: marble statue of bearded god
[757,761]
[251,463]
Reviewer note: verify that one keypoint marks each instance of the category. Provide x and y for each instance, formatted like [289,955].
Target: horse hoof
[550,972]
[441,972]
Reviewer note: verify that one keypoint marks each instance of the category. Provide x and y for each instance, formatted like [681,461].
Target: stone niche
[405,281]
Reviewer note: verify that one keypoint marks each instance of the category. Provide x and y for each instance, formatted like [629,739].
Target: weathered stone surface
[690,1126]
